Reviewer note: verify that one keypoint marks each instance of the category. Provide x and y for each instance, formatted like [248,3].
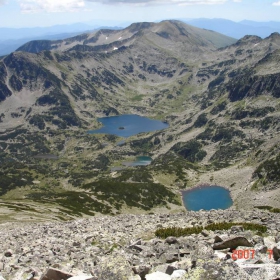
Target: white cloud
[276,3]
[237,1]
[159,2]
[2,2]
[51,6]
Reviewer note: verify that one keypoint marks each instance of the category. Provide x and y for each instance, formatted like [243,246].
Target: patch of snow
[36,182]
[158,276]
[178,274]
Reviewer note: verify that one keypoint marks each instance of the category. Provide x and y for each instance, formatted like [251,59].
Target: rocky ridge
[106,40]
[125,247]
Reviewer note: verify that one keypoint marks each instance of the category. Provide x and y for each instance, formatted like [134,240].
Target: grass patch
[177,231]
[269,208]
[137,98]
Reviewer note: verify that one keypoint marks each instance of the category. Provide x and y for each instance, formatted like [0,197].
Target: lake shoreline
[127,125]
[203,186]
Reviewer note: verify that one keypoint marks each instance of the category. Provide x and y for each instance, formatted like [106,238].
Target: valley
[219,96]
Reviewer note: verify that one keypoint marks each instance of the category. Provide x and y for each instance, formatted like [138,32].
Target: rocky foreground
[125,247]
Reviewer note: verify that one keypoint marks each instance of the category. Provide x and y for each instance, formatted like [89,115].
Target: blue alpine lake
[206,198]
[128,125]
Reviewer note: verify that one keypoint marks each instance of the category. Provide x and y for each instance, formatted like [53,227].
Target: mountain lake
[206,198]
[139,161]
[128,125]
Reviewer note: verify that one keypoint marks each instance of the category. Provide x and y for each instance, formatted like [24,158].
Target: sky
[41,13]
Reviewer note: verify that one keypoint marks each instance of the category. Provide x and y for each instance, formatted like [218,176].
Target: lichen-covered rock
[214,269]
[171,240]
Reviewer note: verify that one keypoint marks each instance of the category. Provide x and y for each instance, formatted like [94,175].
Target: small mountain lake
[128,125]
[139,161]
[46,156]
[206,198]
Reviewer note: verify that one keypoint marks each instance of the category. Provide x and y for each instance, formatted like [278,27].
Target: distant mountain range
[108,40]
[12,38]
[237,29]
[9,46]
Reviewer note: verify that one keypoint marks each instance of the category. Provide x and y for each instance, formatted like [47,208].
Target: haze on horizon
[41,13]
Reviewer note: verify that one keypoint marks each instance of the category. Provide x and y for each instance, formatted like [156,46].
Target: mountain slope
[169,30]
[222,106]
[144,41]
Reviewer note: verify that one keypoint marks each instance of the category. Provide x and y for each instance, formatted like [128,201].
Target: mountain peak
[274,36]
[175,31]
[249,39]
[135,27]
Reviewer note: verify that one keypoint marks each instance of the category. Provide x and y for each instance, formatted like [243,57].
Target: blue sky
[31,13]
